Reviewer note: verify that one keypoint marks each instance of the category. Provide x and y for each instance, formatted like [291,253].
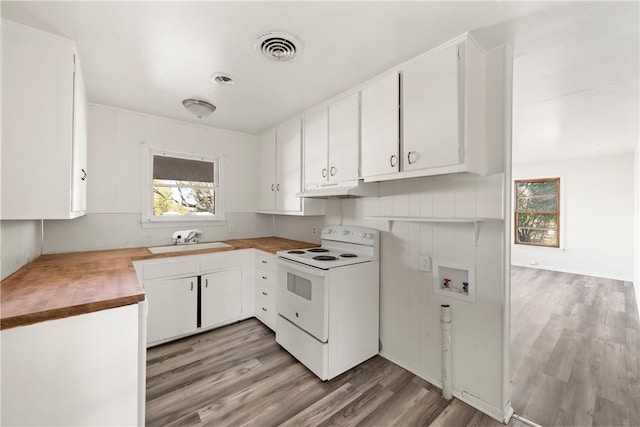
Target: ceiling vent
[279,47]
[222,79]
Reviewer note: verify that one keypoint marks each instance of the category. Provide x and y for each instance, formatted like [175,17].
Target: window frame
[559,217]
[148,217]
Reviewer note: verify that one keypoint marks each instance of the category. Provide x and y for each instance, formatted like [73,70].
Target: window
[537,212]
[184,188]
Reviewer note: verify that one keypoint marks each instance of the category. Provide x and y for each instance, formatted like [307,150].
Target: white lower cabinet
[190,294]
[265,288]
[221,297]
[173,305]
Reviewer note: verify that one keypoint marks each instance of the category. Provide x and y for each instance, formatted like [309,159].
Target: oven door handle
[297,267]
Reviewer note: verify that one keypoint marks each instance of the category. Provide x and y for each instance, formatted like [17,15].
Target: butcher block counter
[63,285]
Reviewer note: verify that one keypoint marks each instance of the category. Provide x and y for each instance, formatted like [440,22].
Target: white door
[431,111]
[303,298]
[172,307]
[266,171]
[289,167]
[344,139]
[380,124]
[79,162]
[316,150]
[221,297]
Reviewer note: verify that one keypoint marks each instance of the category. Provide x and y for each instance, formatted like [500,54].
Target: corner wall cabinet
[332,143]
[44,135]
[279,166]
[428,117]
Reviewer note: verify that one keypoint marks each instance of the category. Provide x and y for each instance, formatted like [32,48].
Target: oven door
[303,297]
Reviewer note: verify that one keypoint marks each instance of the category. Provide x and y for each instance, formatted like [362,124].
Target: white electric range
[327,300]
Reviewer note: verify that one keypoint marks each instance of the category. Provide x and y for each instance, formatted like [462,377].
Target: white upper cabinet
[332,143]
[280,172]
[316,148]
[266,171]
[431,111]
[288,166]
[44,133]
[344,139]
[380,127]
[442,117]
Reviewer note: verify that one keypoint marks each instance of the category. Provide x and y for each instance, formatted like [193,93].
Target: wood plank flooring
[575,352]
[239,376]
[575,362]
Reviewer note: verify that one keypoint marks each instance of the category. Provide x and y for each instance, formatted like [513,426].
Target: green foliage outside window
[182,198]
[537,214]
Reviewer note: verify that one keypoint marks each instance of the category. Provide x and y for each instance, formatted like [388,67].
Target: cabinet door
[288,166]
[37,118]
[344,139]
[316,150]
[266,171]
[79,161]
[380,127]
[221,299]
[431,111]
[173,306]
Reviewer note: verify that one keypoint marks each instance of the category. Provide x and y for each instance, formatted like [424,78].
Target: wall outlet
[315,231]
[232,228]
[425,262]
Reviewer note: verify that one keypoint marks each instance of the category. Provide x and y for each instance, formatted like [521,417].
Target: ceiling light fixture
[198,107]
[279,47]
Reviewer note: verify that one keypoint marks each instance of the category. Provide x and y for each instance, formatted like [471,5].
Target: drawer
[265,294]
[266,313]
[182,266]
[266,260]
[265,277]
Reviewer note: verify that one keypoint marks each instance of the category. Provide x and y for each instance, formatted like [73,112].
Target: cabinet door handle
[333,170]
[324,172]
[264,277]
[412,157]
[264,262]
[393,160]
[278,187]
[264,309]
[84,175]
[264,293]
[206,283]
[191,285]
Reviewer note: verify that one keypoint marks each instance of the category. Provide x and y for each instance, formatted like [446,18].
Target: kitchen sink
[187,247]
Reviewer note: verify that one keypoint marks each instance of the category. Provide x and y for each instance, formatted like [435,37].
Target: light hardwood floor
[575,362]
[239,376]
[575,349]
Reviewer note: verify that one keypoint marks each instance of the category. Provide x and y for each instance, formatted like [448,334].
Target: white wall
[298,227]
[118,143]
[20,244]
[409,308]
[597,214]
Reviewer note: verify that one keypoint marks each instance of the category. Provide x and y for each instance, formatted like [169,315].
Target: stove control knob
[363,235]
[327,231]
[345,232]
[368,236]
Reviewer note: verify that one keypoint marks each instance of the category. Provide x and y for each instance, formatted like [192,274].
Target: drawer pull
[264,277]
[264,293]
[264,309]
[264,262]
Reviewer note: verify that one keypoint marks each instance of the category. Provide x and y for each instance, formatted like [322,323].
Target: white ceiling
[575,68]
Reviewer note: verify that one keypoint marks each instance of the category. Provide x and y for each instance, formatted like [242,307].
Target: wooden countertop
[63,285]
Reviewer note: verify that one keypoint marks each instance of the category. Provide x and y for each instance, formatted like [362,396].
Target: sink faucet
[186,236]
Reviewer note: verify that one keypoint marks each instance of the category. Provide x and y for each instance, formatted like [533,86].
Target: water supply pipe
[445,321]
